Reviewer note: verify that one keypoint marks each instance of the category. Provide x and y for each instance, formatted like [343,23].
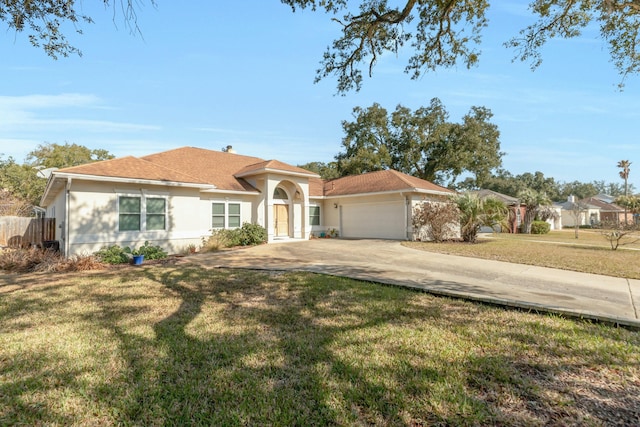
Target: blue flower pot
[137,259]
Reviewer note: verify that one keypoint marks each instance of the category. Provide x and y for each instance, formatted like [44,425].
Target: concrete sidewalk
[542,289]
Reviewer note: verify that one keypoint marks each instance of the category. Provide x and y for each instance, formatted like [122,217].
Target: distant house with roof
[516,209]
[177,197]
[591,211]
[608,211]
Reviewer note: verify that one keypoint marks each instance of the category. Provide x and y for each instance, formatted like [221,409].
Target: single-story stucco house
[591,211]
[176,198]
[517,210]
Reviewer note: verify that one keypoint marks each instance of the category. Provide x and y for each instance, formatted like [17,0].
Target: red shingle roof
[215,167]
[225,171]
[604,206]
[272,165]
[316,187]
[380,181]
[132,167]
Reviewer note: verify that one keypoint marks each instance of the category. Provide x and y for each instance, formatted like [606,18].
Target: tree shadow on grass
[231,347]
[258,349]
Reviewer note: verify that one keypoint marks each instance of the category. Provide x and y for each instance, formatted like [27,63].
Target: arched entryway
[281,223]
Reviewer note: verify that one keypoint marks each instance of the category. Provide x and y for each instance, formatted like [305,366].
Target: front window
[280,194]
[217,220]
[129,213]
[314,215]
[234,215]
[136,213]
[156,214]
[225,215]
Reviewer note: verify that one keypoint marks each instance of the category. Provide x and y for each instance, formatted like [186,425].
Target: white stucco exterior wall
[93,210]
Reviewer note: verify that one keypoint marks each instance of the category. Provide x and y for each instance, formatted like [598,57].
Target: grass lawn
[180,345]
[590,253]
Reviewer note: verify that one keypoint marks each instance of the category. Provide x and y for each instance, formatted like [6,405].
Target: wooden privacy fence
[16,231]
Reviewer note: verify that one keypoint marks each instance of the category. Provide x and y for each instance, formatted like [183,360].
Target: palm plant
[476,212]
[533,201]
[624,174]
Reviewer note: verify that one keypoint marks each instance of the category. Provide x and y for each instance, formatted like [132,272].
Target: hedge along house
[176,198]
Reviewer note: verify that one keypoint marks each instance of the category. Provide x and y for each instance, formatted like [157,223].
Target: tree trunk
[529,216]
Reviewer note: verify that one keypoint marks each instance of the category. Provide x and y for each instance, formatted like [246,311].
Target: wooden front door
[281,220]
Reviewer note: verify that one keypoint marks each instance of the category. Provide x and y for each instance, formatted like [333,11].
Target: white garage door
[374,220]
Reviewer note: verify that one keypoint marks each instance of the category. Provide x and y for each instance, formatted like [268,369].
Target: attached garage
[382,220]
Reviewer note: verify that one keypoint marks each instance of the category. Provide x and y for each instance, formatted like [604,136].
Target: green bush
[247,235]
[540,227]
[150,251]
[251,234]
[112,255]
[117,255]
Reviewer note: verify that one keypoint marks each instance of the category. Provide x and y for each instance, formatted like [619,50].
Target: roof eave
[124,180]
[379,193]
[239,192]
[254,172]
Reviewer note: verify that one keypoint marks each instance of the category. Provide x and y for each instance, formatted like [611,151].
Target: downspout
[406,217]
[67,202]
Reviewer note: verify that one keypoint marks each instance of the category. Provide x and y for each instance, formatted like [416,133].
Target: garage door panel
[379,221]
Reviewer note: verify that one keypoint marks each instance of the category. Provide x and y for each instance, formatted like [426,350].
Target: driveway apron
[542,289]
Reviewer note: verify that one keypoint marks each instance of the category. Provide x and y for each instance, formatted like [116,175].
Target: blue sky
[241,74]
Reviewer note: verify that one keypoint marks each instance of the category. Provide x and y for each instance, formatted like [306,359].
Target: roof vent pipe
[229,149]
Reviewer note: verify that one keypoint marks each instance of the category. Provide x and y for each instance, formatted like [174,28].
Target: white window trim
[226,204]
[143,210]
[319,215]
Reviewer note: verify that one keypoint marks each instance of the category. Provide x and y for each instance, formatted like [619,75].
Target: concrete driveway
[535,288]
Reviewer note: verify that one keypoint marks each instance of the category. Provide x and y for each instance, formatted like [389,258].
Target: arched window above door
[279,193]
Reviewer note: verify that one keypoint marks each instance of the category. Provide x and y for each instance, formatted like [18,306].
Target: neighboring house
[593,211]
[175,198]
[576,212]
[516,210]
[556,223]
[605,198]
[609,212]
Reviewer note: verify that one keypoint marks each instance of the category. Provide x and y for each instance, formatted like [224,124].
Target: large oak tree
[24,182]
[444,33]
[422,143]
[438,33]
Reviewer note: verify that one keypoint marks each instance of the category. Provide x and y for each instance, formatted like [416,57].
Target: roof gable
[502,197]
[379,182]
[133,168]
[602,205]
[225,171]
[273,166]
[215,167]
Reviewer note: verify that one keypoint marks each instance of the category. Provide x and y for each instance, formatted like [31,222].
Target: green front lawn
[590,253]
[180,345]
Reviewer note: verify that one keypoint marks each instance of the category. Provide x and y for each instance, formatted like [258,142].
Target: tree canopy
[533,201]
[23,182]
[437,33]
[52,155]
[325,170]
[447,33]
[476,212]
[506,183]
[422,143]
[43,21]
